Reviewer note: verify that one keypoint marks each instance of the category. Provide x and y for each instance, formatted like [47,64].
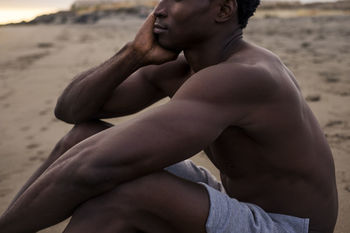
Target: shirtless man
[236,101]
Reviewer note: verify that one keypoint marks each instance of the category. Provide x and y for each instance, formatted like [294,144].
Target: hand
[146,45]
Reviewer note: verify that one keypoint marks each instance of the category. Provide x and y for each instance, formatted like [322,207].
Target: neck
[214,51]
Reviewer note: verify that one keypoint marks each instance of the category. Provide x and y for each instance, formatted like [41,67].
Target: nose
[160,10]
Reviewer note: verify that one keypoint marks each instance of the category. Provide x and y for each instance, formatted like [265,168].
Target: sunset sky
[12,11]
[18,10]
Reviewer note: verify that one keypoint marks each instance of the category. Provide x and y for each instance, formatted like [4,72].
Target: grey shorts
[228,215]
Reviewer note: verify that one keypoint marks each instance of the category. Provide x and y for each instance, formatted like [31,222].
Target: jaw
[167,43]
[181,40]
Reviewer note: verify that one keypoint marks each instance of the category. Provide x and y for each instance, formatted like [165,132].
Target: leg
[164,203]
[158,202]
[77,134]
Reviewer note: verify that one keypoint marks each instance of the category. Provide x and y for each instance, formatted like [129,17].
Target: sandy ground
[37,62]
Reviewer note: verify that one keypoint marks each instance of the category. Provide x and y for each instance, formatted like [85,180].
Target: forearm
[31,180]
[41,206]
[49,200]
[88,92]
[69,181]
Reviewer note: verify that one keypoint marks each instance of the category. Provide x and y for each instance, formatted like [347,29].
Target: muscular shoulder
[234,90]
[232,81]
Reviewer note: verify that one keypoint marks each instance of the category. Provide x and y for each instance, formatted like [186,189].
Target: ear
[227,8]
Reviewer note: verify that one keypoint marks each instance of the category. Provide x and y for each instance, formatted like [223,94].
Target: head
[185,23]
[245,9]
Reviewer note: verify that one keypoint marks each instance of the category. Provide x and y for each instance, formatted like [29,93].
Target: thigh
[159,202]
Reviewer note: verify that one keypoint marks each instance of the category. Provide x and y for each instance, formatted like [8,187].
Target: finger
[149,21]
[146,30]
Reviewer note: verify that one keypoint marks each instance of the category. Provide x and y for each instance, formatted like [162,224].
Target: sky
[13,11]
[18,10]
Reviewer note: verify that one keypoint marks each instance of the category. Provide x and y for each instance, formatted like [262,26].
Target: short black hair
[245,9]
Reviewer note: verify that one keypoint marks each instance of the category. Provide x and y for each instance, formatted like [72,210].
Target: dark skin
[236,101]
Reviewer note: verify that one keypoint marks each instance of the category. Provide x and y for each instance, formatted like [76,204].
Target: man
[236,101]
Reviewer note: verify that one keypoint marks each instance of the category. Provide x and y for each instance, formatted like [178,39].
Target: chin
[168,44]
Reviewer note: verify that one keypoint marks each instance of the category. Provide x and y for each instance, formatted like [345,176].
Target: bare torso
[277,157]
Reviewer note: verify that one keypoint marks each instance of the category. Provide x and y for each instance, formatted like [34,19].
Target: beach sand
[37,62]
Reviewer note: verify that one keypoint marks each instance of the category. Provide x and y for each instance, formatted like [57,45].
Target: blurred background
[15,11]
[44,44]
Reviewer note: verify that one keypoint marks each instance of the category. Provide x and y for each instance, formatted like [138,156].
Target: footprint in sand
[305,44]
[344,177]
[344,93]
[40,152]
[6,105]
[26,60]
[32,146]
[332,123]
[329,77]
[33,158]
[43,129]
[6,95]
[347,188]
[45,45]
[337,138]
[313,98]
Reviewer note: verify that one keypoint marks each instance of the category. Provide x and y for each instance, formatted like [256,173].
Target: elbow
[83,177]
[93,179]
[63,113]
[101,174]
[70,114]
[88,178]
[93,173]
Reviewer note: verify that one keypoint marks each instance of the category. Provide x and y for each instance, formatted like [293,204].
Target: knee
[138,193]
[123,207]
[118,206]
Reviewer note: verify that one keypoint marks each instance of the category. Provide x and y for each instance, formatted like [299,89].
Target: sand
[37,62]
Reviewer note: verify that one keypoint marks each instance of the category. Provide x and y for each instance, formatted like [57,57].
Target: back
[277,156]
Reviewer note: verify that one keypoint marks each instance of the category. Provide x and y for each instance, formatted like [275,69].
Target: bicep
[200,111]
[141,89]
[155,139]
[131,96]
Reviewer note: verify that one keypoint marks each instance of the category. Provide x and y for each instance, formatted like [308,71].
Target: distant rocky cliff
[91,11]
[87,17]
[76,17]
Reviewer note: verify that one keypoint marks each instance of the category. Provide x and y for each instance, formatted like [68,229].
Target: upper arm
[141,89]
[201,110]
[131,96]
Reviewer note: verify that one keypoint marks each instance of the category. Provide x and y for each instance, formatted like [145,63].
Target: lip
[159,28]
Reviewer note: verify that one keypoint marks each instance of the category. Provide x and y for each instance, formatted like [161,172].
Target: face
[181,24]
